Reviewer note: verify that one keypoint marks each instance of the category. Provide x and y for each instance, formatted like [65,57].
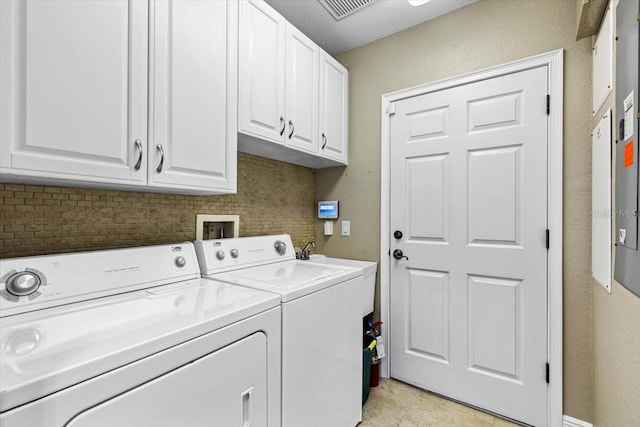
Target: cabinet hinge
[547,238]
[389,252]
[391,109]
[548,104]
[547,374]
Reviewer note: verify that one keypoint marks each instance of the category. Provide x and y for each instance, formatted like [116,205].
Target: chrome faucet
[304,253]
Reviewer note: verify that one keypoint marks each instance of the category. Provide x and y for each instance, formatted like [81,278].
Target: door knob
[397,254]
[397,234]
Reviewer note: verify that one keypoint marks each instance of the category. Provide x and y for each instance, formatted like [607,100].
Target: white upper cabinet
[75,108]
[192,99]
[262,72]
[334,89]
[301,100]
[74,95]
[280,92]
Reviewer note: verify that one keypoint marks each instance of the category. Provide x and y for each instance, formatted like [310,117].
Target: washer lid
[47,350]
[290,279]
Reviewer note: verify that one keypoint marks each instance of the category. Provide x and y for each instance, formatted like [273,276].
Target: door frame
[554,61]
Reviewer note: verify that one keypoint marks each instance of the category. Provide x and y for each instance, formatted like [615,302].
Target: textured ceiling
[380,19]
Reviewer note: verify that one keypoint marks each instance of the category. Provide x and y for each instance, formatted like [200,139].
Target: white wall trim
[568,421]
[554,62]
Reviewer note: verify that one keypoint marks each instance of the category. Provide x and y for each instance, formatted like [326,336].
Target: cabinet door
[262,71]
[334,90]
[73,77]
[193,96]
[301,105]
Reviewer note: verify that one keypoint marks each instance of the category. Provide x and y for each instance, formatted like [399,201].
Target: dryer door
[225,388]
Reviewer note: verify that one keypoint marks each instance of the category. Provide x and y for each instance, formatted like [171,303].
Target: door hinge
[389,252]
[547,238]
[548,104]
[547,373]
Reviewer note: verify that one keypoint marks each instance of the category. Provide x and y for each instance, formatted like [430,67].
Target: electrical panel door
[627,270]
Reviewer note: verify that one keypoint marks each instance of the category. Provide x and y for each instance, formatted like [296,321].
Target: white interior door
[469,193]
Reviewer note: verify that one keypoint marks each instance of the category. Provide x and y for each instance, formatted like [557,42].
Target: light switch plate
[346,228]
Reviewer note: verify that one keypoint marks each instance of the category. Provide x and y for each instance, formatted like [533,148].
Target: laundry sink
[368,283]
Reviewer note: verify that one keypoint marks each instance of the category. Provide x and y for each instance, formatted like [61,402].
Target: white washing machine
[134,337]
[321,324]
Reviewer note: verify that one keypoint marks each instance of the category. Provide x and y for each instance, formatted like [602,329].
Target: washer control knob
[23,283]
[280,247]
[234,253]
[180,261]
[220,255]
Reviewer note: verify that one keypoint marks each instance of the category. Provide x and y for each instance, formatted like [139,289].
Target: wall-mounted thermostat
[328,209]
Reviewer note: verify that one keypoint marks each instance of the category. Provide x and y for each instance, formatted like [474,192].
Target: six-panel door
[469,193]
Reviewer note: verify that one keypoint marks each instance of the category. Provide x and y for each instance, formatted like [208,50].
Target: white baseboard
[568,421]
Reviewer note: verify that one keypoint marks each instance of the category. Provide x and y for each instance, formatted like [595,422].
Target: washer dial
[280,247]
[22,283]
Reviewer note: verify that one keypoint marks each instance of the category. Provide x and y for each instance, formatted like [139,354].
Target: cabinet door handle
[292,127]
[139,148]
[159,148]
[284,125]
[324,141]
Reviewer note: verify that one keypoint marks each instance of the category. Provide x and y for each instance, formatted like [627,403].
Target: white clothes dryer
[321,324]
[134,337]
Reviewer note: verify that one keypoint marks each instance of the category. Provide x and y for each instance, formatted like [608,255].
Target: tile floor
[396,404]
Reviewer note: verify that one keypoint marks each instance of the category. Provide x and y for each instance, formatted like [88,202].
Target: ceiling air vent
[340,9]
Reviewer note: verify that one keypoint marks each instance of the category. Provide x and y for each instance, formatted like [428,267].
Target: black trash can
[367,355]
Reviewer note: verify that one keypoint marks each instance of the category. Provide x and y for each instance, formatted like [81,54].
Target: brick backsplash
[273,197]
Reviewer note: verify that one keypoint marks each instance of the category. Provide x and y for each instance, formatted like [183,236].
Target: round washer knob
[23,283]
[180,261]
[234,253]
[280,247]
[220,255]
